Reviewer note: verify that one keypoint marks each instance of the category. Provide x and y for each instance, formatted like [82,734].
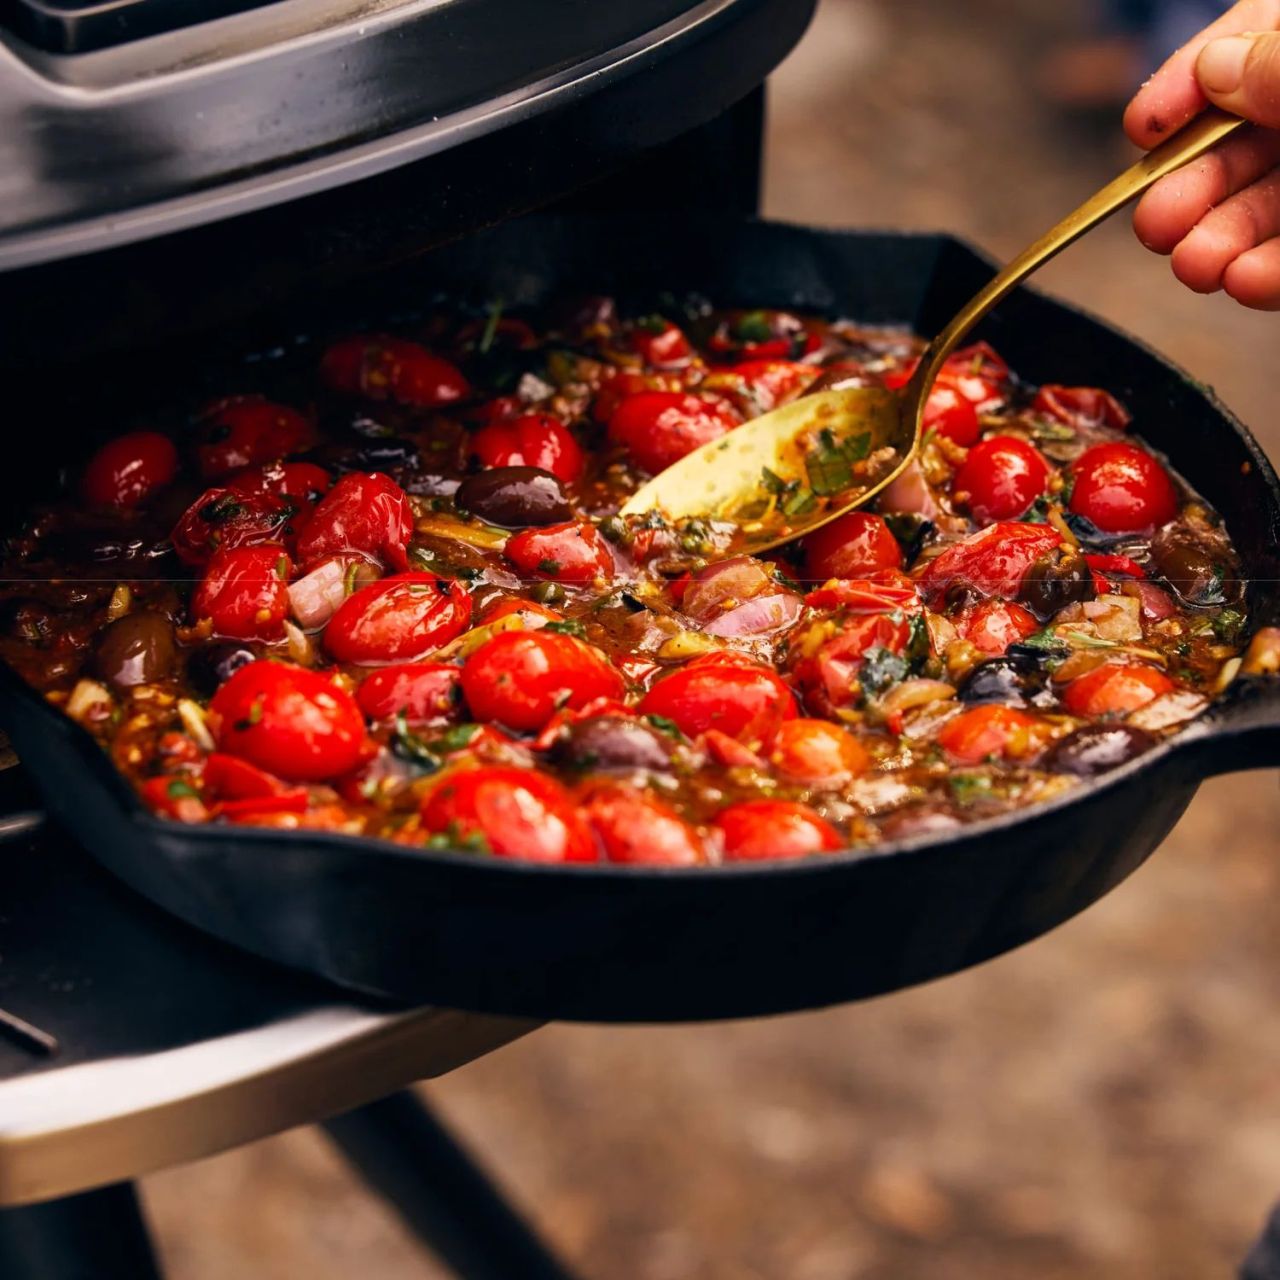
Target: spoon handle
[1185,145]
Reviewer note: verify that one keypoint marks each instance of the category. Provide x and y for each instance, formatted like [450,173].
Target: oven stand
[397,1146]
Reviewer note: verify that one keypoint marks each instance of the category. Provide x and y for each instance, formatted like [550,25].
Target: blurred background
[1104,1103]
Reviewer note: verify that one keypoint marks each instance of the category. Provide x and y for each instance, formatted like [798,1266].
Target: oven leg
[409,1158]
[97,1235]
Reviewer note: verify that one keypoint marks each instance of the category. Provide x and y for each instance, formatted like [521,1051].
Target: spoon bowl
[789,471]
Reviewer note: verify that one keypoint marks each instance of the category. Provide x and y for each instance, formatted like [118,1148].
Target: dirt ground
[1104,1103]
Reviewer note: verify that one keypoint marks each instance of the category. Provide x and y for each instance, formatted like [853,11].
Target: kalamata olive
[1013,681]
[31,621]
[918,822]
[614,742]
[1097,748]
[1054,582]
[1187,566]
[514,497]
[211,666]
[136,649]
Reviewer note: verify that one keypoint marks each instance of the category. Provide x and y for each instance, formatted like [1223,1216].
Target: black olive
[1055,581]
[614,742]
[514,497]
[136,649]
[1097,748]
[1188,567]
[919,822]
[1015,680]
[209,667]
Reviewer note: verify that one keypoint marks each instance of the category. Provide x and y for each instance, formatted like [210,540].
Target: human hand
[1219,217]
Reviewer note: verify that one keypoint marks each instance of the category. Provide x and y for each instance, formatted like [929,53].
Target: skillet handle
[1240,731]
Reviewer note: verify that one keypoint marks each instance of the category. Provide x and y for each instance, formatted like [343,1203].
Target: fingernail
[1220,66]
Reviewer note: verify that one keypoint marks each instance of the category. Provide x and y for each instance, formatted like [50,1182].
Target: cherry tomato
[830,676]
[658,428]
[246,431]
[661,344]
[240,789]
[534,440]
[1115,687]
[295,723]
[756,830]
[303,481]
[245,592]
[514,813]
[990,562]
[223,518]
[383,368]
[1081,407]
[738,697]
[634,828]
[420,691]
[890,589]
[994,625]
[174,797]
[851,546]
[621,384]
[1122,489]
[365,512]
[397,619]
[570,552]
[772,382]
[949,412]
[1000,479]
[521,678]
[128,470]
[975,372]
[989,731]
[762,335]
[818,752]
[532,614]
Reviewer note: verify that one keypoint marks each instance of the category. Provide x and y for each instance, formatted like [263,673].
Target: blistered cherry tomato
[773,382]
[890,589]
[420,691]
[1115,687]
[949,412]
[1081,406]
[365,512]
[571,552]
[1122,489]
[128,470]
[634,828]
[976,372]
[1000,479]
[533,440]
[397,619]
[621,384]
[991,731]
[762,335]
[818,752]
[521,678]
[991,562]
[738,697]
[532,615]
[246,431]
[994,625]
[661,344]
[658,428]
[223,518]
[829,677]
[245,592]
[756,830]
[382,368]
[851,546]
[514,813]
[295,723]
[301,480]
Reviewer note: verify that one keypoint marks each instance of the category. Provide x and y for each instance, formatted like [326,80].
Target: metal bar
[98,1235]
[412,1160]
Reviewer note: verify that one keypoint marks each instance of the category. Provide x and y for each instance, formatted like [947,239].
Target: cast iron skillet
[624,943]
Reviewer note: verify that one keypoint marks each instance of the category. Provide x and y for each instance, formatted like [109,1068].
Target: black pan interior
[620,943]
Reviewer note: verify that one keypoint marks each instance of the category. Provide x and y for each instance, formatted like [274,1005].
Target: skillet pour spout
[625,943]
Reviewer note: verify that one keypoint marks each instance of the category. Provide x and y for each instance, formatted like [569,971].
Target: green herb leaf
[754,326]
[830,464]
[548,566]
[568,627]
[664,725]
[881,668]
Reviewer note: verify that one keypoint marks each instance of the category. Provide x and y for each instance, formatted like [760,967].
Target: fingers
[1238,225]
[1253,279]
[1241,74]
[1173,95]
[1167,213]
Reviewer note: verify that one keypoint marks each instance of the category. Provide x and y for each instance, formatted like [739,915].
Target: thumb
[1241,74]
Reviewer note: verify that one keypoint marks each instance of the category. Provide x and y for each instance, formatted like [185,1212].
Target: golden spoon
[785,473]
